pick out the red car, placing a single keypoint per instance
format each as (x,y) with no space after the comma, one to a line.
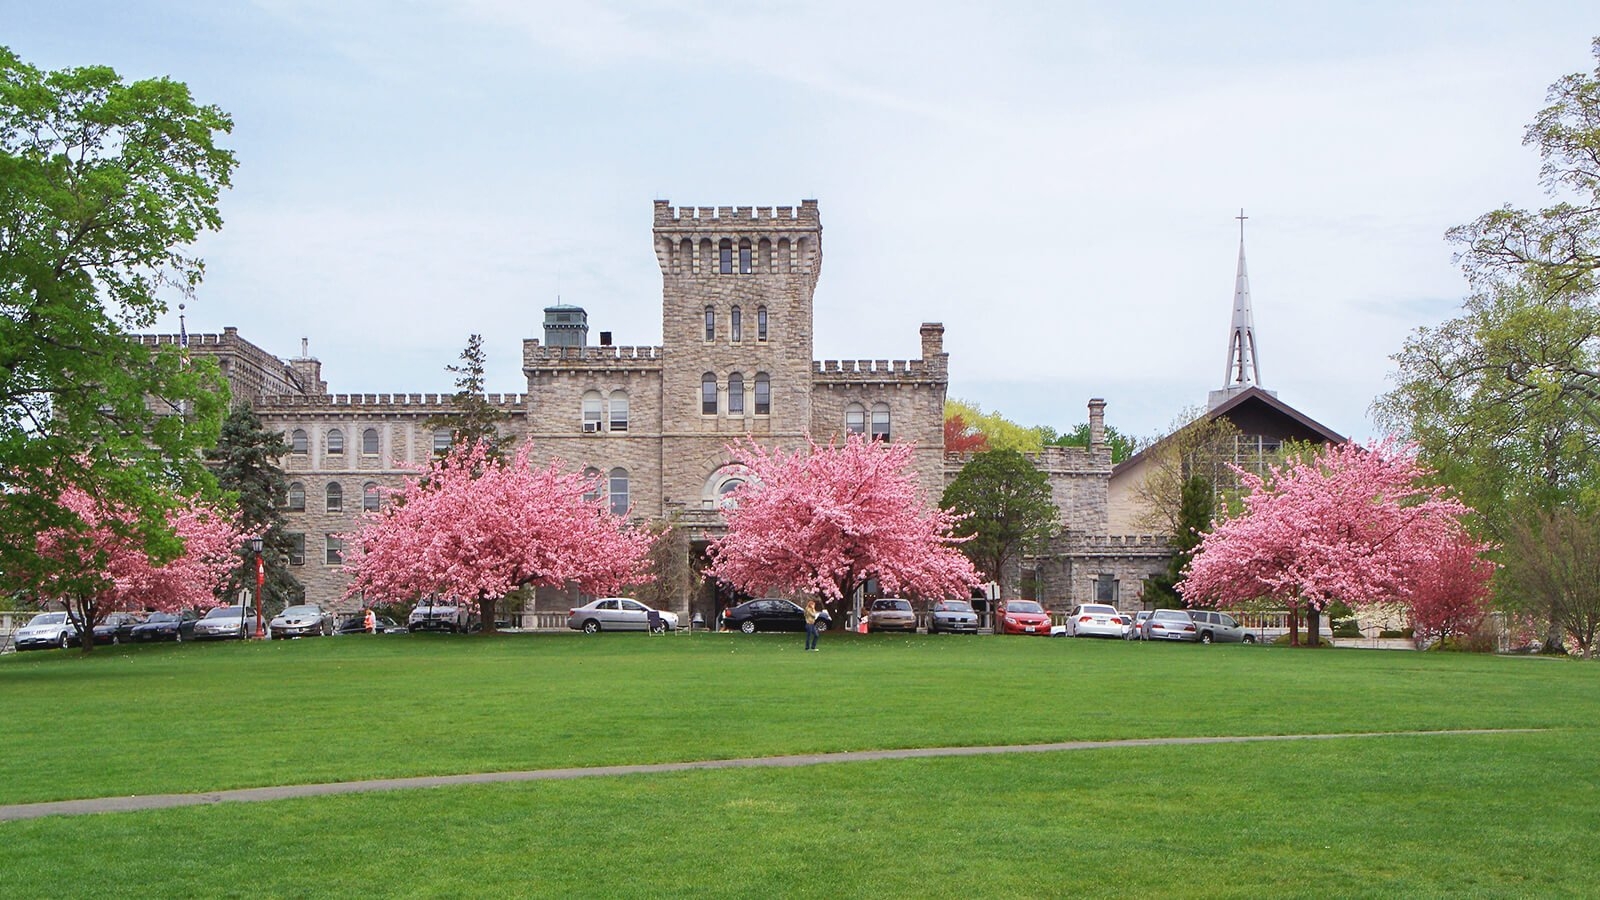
(1023,617)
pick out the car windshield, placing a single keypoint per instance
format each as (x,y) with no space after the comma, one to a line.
(48,619)
(956,606)
(301,611)
(226,612)
(162,617)
(1024,606)
(900,605)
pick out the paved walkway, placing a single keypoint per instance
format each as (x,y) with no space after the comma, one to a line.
(252,795)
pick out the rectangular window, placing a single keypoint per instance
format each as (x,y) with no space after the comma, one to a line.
(763,395)
(1105,589)
(708,397)
(711,324)
(297,549)
(761,323)
(335,552)
(727,258)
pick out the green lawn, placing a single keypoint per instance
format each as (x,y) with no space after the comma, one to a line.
(1495,814)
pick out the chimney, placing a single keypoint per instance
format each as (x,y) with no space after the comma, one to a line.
(1097,423)
(605,338)
(932,340)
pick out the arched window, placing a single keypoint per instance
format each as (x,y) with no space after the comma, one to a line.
(711,324)
(880,421)
(370,498)
(761,323)
(442,439)
(591,476)
(619,491)
(369,442)
(298,443)
(708,394)
(686,256)
(335,442)
(784,253)
(763,394)
(591,410)
(725,251)
(725,491)
(736,325)
(335,497)
(746,264)
(619,411)
(735,394)
(855,419)
(764,255)
(296,499)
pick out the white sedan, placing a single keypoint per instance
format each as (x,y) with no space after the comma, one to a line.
(1095,620)
(619,614)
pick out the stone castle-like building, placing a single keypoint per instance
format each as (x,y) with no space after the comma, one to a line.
(652,423)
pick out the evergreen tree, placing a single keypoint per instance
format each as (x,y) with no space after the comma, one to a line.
(472,419)
(1195,512)
(245,463)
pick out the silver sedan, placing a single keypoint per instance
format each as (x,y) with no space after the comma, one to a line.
(619,614)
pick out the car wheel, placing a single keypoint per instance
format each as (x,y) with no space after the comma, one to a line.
(590,626)
(1248,639)
(1205,637)
(64,640)
(748,626)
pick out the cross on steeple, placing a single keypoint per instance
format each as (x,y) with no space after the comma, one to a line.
(1244,371)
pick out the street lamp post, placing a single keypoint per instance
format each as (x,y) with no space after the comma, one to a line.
(261,577)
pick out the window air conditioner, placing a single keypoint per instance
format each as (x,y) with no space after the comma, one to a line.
(591,427)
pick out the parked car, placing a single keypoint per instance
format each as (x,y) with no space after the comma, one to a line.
(1136,631)
(1170,625)
(891,614)
(1095,620)
(1219,628)
(619,614)
(767,614)
(1127,623)
(49,629)
(357,624)
(116,628)
(1023,617)
(954,616)
(303,620)
(163,626)
(440,615)
(226,622)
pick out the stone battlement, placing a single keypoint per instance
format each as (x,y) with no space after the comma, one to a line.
(702,217)
(614,357)
(1051,460)
(378,403)
(870,369)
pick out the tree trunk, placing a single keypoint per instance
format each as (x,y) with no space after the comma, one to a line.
(486,612)
(1294,627)
(1313,627)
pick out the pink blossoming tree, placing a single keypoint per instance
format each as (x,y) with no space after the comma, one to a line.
(1448,595)
(827,519)
(107,565)
(474,528)
(1356,524)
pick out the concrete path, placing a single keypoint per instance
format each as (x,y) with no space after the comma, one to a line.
(252,795)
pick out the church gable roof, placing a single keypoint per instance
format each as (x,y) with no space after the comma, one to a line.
(1254,411)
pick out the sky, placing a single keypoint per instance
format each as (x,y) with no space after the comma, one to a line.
(1056,182)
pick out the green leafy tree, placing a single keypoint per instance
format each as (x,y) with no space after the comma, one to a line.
(472,418)
(1504,399)
(245,464)
(1007,509)
(1196,509)
(1122,446)
(103,184)
(1000,432)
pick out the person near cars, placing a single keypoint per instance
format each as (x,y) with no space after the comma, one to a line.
(811,625)
(371,621)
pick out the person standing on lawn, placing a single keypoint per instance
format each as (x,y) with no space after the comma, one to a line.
(811,624)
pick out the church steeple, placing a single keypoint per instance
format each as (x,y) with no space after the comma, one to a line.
(1244,367)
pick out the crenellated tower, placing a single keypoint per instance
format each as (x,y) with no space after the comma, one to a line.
(737,286)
